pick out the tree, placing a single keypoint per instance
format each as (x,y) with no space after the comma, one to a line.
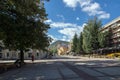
(22,25)
(53,51)
(90,35)
(102,38)
(74,43)
(86,40)
(80,43)
(105,38)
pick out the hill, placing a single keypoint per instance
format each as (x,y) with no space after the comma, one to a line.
(55,44)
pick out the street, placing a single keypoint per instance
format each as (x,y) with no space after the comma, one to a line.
(66,68)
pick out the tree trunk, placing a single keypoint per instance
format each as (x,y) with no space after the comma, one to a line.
(21,56)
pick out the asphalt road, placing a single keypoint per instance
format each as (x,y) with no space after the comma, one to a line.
(66,68)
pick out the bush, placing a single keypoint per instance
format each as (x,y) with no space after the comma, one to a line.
(113,55)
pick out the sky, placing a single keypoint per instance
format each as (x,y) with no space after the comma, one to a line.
(67,17)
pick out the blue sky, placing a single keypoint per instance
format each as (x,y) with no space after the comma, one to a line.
(67,17)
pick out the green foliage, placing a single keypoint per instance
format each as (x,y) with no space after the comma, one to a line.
(74,43)
(86,40)
(105,38)
(90,35)
(92,38)
(53,51)
(22,24)
(79,48)
(102,38)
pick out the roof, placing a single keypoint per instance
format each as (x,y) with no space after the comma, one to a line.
(112,22)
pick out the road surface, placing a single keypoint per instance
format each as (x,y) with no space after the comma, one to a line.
(66,68)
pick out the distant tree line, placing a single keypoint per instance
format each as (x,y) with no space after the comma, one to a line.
(91,38)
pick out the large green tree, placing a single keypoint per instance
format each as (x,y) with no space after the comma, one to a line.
(90,35)
(104,38)
(101,40)
(79,44)
(86,40)
(75,43)
(22,25)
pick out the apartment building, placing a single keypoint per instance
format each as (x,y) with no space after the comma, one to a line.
(114,28)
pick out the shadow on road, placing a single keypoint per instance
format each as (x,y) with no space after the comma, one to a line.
(64,68)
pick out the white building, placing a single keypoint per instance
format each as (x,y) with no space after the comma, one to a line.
(12,54)
(114,27)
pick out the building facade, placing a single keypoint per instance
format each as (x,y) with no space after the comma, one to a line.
(114,29)
(62,49)
(12,54)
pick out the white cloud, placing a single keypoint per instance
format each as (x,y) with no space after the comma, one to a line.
(104,15)
(61,25)
(77,18)
(70,3)
(91,9)
(48,21)
(53,38)
(84,2)
(88,6)
(66,29)
(61,16)
(69,32)
(65,38)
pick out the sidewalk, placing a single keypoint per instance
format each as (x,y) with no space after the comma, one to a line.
(87,58)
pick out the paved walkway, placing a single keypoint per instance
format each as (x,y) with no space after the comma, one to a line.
(66,68)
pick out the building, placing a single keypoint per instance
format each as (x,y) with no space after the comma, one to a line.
(14,54)
(114,28)
(113,42)
(62,49)
(1,48)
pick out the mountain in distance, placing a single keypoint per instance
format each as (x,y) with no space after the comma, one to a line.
(56,43)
